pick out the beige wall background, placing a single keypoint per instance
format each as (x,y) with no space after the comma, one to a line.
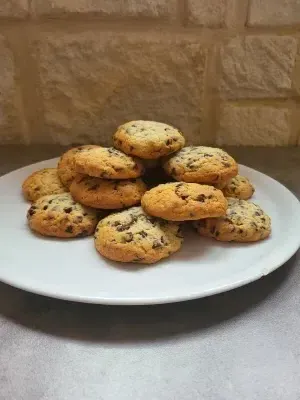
(226,72)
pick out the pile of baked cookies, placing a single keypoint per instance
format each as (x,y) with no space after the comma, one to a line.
(98,190)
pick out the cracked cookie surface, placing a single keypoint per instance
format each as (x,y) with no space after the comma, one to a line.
(107,194)
(200,164)
(108,163)
(239,187)
(180,201)
(244,222)
(148,139)
(60,216)
(66,168)
(133,236)
(42,183)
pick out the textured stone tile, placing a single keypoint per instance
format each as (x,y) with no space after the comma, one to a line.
(211,13)
(91,83)
(146,8)
(254,126)
(258,66)
(13,8)
(11,126)
(274,12)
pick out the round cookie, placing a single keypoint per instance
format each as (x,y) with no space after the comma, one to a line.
(134,236)
(66,168)
(148,139)
(60,216)
(107,194)
(244,222)
(239,187)
(108,163)
(184,201)
(200,164)
(42,183)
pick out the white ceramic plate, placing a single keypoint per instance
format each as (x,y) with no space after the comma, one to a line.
(73,270)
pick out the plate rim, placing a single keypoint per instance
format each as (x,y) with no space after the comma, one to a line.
(168,299)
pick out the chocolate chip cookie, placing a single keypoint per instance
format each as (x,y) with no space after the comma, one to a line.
(60,216)
(107,194)
(200,164)
(184,201)
(42,183)
(108,163)
(66,168)
(133,236)
(239,187)
(244,222)
(148,139)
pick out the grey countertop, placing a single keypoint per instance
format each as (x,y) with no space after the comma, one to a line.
(240,345)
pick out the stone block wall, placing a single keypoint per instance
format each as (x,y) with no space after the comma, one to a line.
(226,72)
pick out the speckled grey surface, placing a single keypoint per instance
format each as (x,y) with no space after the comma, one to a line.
(243,345)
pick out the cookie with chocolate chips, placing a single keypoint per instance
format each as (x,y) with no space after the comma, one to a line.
(239,187)
(107,163)
(184,201)
(148,139)
(244,222)
(107,193)
(200,164)
(42,183)
(133,236)
(60,216)
(66,168)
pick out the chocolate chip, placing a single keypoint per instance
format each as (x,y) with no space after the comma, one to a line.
(50,201)
(31,211)
(226,165)
(241,231)
(210,196)
(143,234)
(168,142)
(156,245)
(37,188)
(45,207)
(68,210)
(201,198)
(69,229)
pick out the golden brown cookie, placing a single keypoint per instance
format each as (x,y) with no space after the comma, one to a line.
(200,164)
(108,163)
(184,201)
(148,139)
(239,187)
(66,168)
(133,236)
(60,216)
(42,183)
(244,222)
(107,194)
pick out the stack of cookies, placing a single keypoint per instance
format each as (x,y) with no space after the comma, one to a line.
(196,183)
